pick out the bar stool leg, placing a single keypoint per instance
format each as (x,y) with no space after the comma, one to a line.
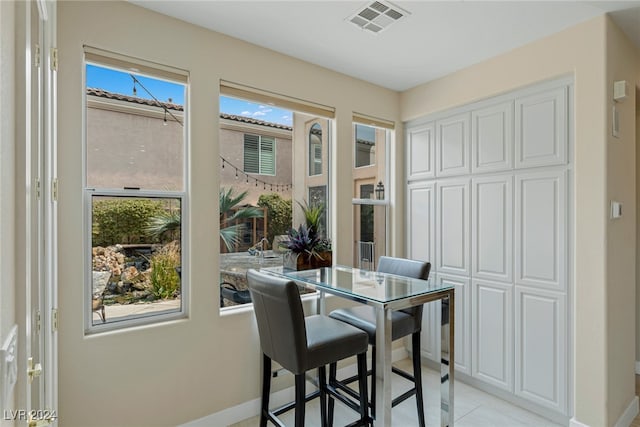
(373,381)
(332,402)
(362,386)
(266,389)
(322,380)
(300,399)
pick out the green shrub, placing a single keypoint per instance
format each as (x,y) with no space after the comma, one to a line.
(279,214)
(123,220)
(165,282)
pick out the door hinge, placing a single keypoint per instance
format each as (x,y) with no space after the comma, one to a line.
(37,56)
(38,322)
(54,59)
(54,320)
(38,188)
(33,370)
(54,189)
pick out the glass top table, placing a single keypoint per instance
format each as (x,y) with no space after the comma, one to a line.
(386,293)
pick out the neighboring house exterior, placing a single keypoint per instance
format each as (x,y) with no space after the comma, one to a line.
(154,141)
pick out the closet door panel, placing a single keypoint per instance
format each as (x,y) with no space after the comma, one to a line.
(421,152)
(541,128)
(492,227)
(541,230)
(492,138)
(452,136)
(492,333)
(421,222)
(452,229)
(541,354)
(462,320)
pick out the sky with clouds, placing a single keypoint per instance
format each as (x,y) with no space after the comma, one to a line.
(122,83)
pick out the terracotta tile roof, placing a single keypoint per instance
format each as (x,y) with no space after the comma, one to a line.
(254,121)
(175,107)
(120,97)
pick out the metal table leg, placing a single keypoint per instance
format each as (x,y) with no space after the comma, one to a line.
(383,367)
(447,360)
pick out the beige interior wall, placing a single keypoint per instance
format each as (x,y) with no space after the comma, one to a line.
(170,373)
(577,51)
(7,182)
(623,63)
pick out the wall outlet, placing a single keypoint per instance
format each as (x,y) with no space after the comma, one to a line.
(8,367)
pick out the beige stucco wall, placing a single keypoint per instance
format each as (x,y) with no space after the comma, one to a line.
(232,149)
(623,63)
(601,387)
(170,373)
(7,170)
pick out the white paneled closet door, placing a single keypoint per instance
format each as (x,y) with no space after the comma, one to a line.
(462,320)
(541,128)
(452,227)
(421,246)
(492,333)
(452,145)
(492,227)
(492,138)
(541,347)
(421,152)
(499,193)
(541,254)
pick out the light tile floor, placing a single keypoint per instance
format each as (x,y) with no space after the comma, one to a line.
(473,408)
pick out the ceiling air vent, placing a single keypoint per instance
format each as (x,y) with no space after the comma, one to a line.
(377,16)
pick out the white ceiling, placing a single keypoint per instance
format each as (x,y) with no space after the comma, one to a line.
(437,38)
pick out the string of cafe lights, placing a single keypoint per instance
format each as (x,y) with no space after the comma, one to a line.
(160,103)
(238,171)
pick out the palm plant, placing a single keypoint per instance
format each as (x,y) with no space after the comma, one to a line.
(313,216)
(230,213)
(166,222)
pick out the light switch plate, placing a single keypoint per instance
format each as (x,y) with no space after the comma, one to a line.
(8,367)
(616,210)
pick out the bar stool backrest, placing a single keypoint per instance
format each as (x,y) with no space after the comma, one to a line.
(280,319)
(408,268)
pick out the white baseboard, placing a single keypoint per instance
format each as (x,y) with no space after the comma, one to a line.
(625,419)
(629,414)
(575,423)
(251,408)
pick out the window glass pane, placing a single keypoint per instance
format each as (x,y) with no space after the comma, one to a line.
(135,257)
(318,197)
(365,145)
(369,175)
(136,192)
(315,150)
(134,131)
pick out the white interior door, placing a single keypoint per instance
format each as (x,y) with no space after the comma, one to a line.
(40,239)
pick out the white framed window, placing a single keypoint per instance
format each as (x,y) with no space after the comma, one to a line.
(135,192)
(259,154)
(371,139)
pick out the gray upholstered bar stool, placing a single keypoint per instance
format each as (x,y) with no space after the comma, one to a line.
(299,344)
(405,322)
